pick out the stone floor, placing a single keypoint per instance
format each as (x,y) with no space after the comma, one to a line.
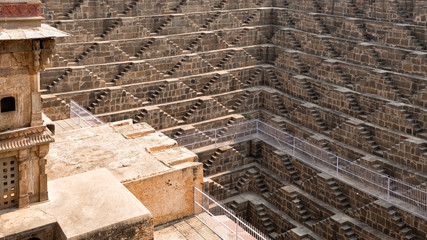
(187,228)
(65,125)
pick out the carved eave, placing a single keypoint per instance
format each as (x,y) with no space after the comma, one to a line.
(22,132)
(26,142)
(39,32)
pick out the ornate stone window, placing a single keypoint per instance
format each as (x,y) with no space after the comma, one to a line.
(8,182)
(7,104)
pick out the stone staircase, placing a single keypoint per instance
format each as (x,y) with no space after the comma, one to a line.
(390,82)
(249,82)
(377,166)
(321,25)
(196,41)
(58,61)
(282,109)
(282,126)
(348,232)
(354,105)
(249,19)
(229,123)
(343,201)
(180,4)
(310,91)
(401,12)
(190,112)
(266,223)
(107,31)
(139,117)
(291,170)
(86,52)
(210,20)
(129,7)
(178,133)
(416,128)
(368,138)
(316,6)
(260,184)
(332,159)
(208,164)
(241,100)
(289,19)
(162,26)
(346,80)
(379,62)
(100,98)
(356,213)
(227,57)
(273,78)
(245,180)
(301,66)
(294,42)
(177,66)
(123,72)
(414,39)
(70,13)
(302,212)
(403,229)
(362,30)
(357,11)
(260,2)
(319,121)
(59,79)
(164,118)
(212,81)
(330,48)
(237,39)
(221,5)
(145,47)
(156,93)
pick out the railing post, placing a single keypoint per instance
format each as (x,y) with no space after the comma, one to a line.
(215,138)
(195,199)
(388,188)
(257,132)
(237,225)
(337,165)
(80,117)
(293,146)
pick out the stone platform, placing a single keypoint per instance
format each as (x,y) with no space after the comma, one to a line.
(140,158)
(188,228)
(78,210)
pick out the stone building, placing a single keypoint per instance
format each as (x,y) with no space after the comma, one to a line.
(26,47)
(26,211)
(348,76)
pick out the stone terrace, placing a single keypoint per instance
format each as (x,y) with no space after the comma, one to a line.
(349,76)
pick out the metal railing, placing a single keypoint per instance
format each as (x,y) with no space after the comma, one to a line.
(82,117)
(411,198)
(221,220)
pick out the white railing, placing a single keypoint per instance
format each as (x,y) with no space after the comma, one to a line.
(82,117)
(222,221)
(411,198)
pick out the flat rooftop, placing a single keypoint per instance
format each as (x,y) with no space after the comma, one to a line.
(129,151)
(72,201)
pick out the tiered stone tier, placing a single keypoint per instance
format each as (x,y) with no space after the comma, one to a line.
(349,76)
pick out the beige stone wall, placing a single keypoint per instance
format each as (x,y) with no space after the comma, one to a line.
(169,195)
(15,80)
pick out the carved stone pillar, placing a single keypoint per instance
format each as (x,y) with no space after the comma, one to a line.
(23,156)
(43,150)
